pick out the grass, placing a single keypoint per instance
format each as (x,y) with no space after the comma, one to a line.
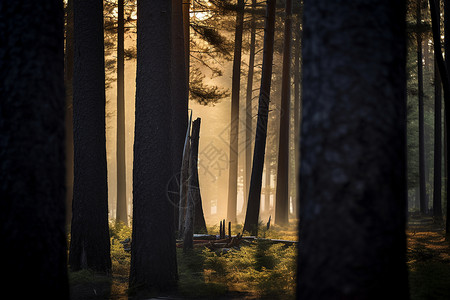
(259,269)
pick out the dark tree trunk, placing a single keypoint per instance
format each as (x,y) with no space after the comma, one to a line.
(179,96)
(184,180)
(68,77)
(437,186)
(254,197)
(89,244)
(153,256)
(282,192)
(194,185)
(353,163)
(32,172)
(248,106)
(447,139)
(422,178)
(195,220)
(234,124)
(122,210)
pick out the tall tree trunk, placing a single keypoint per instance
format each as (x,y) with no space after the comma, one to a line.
(297,107)
(32,172)
(153,256)
(447,139)
(437,186)
(234,124)
(121,209)
(282,192)
(444,67)
(68,78)
(422,179)
(254,197)
(248,106)
(353,163)
(179,95)
(89,243)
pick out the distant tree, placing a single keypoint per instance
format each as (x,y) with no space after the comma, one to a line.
(254,197)
(121,209)
(89,240)
(352,175)
(32,162)
(282,192)
(153,256)
(234,123)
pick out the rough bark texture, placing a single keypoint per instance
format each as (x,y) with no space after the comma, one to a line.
(282,192)
(179,94)
(153,256)
(32,172)
(353,151)
(122,209)
(89,245)
(234,123)
(184,180)
(254,197)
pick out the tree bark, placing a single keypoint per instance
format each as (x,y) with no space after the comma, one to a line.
(254,198)
(184,180)
(446,137)
(89,244)
(353,163)
(422,178)
(437,178)
(153,255)
(194,185)
(32,162)
(179,94)
(248,106)
(234,123)
(68,78)
(121,209)
(282,192)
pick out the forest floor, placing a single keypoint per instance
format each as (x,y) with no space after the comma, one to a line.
(264,270)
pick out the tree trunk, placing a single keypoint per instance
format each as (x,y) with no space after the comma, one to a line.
(32,162)
(353,163)
(282,192)
(446,138)
(195,221)
(194,186)
(89,244)
(254,197)
(234,124)
(184,180)
(179,95)
(121,209)
(297,108)
(422,179)
(153,256)
(248,106)
(68,78)
(267,186)
(437,186)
